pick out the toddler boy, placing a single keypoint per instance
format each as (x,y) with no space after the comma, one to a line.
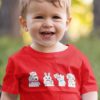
(48,69)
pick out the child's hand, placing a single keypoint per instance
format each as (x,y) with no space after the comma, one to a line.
(7,96)
(90,96)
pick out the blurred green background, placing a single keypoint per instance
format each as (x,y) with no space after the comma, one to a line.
(84,32)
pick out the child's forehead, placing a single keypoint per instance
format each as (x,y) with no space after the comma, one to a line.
(56,3)
(35,4)
(44,6)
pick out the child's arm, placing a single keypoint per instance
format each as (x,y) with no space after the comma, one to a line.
(7,96)
(90,96)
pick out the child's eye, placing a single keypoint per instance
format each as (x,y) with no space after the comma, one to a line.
(38,17)
(56,17)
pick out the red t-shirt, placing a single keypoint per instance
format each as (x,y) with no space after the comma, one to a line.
(35,75)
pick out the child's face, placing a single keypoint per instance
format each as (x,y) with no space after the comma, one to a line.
(46,23)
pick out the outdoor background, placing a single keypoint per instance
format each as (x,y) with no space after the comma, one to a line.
(84,32)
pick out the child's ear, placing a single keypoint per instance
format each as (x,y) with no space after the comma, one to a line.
(23,23)
(69,20)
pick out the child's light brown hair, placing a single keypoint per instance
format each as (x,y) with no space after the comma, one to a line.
(25,3)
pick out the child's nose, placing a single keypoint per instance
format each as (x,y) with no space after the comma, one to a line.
(47,23)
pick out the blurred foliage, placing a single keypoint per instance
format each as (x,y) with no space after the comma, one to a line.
(82,19)
(26,37)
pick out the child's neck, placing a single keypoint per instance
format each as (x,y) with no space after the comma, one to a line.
(49,49)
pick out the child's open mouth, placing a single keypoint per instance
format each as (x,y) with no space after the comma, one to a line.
(47,35)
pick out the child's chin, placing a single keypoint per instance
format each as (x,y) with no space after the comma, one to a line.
(48,44)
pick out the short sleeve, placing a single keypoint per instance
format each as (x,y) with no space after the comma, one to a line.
(11,80)
(88,83)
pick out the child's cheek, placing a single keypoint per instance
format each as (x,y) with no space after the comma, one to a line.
(61,26)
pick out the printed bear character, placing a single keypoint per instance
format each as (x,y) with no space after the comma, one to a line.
(71,80)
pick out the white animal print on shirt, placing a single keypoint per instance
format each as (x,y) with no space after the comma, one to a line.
(71,80)
(60,78)
(33,80)
(63,80)
(48,80)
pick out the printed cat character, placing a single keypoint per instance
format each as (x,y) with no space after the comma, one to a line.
(60,78)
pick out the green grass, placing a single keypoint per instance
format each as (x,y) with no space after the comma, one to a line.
(89,46)
(7,47)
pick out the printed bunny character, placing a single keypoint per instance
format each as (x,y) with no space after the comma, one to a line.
(48,80)
(60,78)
